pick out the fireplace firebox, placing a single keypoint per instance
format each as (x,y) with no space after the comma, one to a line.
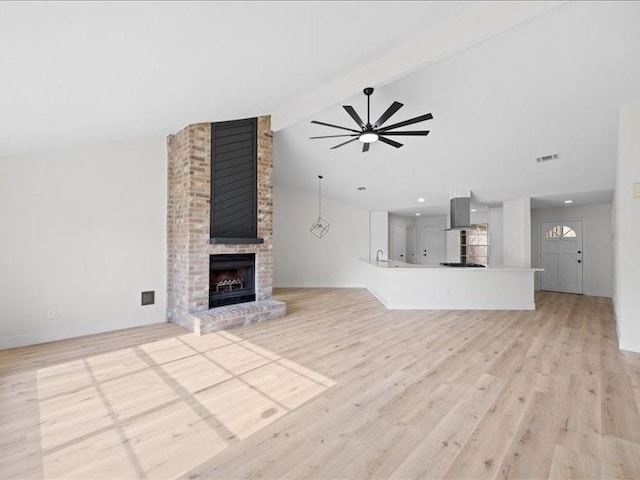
(231,279)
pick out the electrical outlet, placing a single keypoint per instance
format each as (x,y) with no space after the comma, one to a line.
(636,190)
(51,314)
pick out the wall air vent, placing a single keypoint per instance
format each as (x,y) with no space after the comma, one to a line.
(546,158)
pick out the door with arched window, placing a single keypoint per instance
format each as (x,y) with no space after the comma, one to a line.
(561,256)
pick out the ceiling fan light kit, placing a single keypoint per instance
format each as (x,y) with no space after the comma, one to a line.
(368,138)
(370,133)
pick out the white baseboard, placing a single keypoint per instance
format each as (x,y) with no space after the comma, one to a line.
(51,335)
(380,298)
(628,347)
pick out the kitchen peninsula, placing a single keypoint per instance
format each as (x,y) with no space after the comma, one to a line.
(405,286)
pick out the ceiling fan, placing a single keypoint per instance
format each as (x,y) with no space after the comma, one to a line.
(370,133)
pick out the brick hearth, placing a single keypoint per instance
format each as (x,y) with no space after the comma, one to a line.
(223,318)
(188,234)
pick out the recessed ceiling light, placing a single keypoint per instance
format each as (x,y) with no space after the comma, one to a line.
(417,214)
(474,210)
(421,200)
(362,188)
(568,201)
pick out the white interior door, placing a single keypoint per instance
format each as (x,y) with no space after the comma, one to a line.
(398,242)
(432,250)
(561,256)
(410,234)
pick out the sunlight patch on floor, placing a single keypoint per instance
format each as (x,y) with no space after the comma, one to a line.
(189,397)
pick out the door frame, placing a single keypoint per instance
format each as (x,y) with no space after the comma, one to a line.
(538,280)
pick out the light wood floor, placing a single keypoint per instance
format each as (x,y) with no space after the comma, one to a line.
(340,388)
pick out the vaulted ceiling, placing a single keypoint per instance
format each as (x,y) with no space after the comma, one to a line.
(88,72)
(506,83)
(553,84)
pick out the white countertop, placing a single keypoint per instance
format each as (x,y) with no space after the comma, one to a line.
(395,265)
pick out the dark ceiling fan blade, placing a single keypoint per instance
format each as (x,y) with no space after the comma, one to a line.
(334,136)
(365,147)
(411,133)
(348,141)
(335,126)
(411,121)
(354,115)
(388,141)
(395,106)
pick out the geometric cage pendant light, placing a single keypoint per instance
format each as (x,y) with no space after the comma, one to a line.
(320,227)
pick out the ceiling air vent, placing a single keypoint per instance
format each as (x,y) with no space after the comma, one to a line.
(546,158)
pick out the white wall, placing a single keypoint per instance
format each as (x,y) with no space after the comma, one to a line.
(496,233)
(432,221)
(597,256)
(516,223)
(302,260)
(452,247)
(627,231)
(378,234)
(83,233)
(401,220)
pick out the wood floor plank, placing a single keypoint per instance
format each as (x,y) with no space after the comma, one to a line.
(484,453)
(339,388)
(582,429)
(620,417)
(620,458)
(570,465)
(434,455)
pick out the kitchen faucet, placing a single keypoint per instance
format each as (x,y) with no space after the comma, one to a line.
(378,255)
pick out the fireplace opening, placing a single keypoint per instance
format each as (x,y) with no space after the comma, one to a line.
(231,279)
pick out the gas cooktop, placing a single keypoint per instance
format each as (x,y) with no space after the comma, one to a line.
(462,265)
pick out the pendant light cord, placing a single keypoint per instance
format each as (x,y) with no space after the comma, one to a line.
(320,196)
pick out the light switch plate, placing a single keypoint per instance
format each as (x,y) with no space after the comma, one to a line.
(636,190)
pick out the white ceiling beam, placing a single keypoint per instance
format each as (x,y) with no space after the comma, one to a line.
(485,20)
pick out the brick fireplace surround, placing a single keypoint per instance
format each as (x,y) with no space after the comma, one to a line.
(188,234)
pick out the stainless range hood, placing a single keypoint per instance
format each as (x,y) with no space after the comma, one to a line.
(460,209)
